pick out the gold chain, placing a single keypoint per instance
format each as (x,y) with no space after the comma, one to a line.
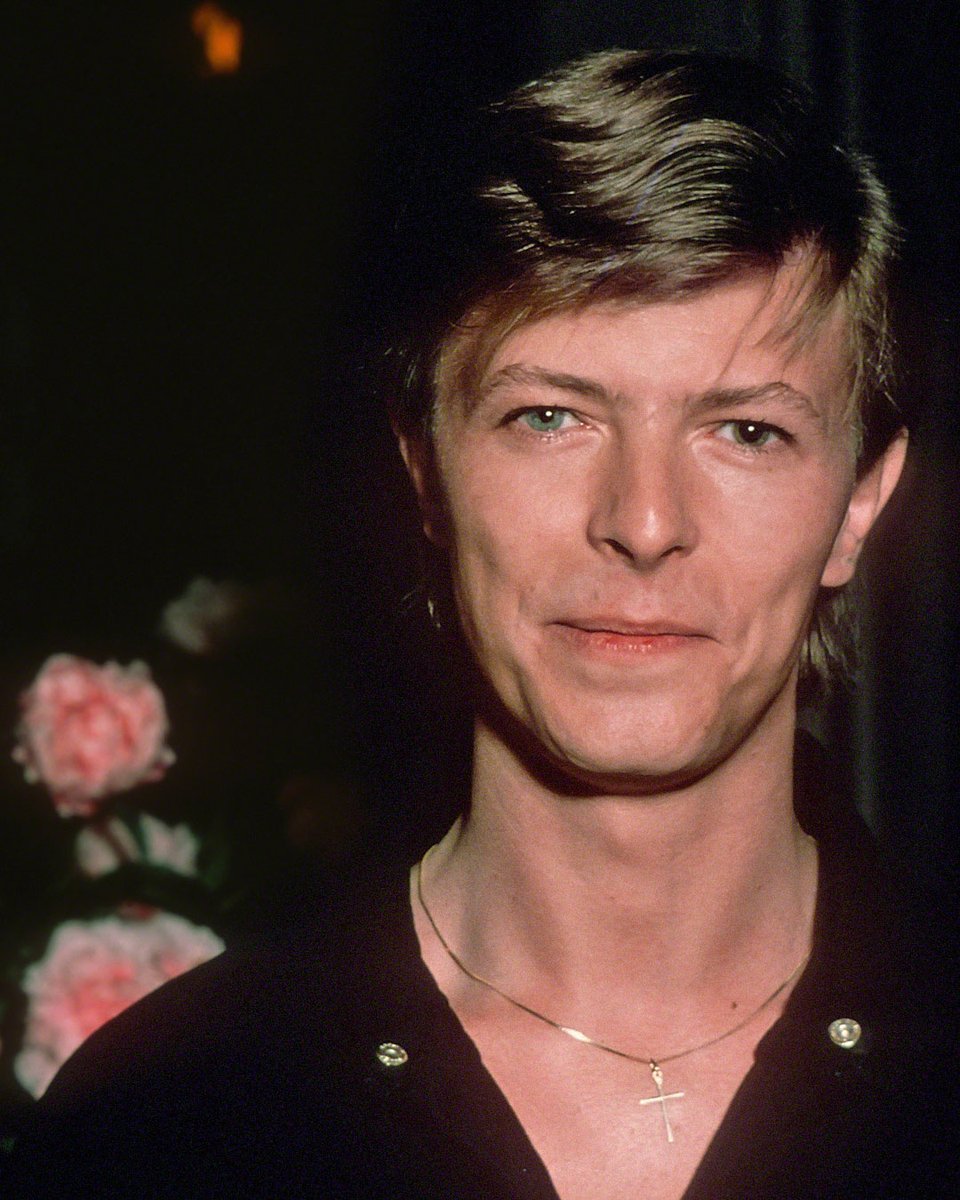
(652,1062)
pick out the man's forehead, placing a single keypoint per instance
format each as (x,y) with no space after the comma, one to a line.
(783,307)
(747,331)
(790,310)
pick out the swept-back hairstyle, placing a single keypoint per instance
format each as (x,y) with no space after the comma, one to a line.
(632,175)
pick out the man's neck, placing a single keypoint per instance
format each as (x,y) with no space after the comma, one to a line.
(682,905)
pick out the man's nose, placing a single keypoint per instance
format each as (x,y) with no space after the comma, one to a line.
(644,504)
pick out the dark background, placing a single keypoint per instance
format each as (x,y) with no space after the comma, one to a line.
(194,269)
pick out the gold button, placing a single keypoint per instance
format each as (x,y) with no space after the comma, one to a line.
(391,1055)
(845,1032)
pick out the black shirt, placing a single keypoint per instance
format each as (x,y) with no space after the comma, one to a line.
(258,1074)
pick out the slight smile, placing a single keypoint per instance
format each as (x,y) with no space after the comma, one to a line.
(613,635)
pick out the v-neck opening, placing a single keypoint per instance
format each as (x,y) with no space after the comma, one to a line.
(781,1058)
(509,1122)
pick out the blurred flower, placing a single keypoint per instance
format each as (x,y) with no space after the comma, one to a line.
(205,616)
(89,731)
(216,619)
(93,970)
(173,846)
(106,845)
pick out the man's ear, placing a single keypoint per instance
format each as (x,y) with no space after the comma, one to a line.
(872,491)
(421,465)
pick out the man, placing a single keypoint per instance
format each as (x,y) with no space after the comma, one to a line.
(649,429)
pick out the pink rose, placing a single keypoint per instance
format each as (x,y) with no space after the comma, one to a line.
(93,970)
(88,731)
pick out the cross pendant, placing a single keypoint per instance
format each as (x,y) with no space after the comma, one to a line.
(661,1097)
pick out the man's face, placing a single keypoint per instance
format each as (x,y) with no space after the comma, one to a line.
(641,505)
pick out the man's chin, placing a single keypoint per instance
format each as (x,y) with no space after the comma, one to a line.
(595,760)
(642,772)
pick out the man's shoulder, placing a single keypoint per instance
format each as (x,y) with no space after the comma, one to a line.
(308,966)
(237,1050)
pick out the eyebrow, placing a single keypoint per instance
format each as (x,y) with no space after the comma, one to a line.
(527,376)
(765,393)
(539,377)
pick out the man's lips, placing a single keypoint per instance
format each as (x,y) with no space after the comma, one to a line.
(623,627)
(617,635)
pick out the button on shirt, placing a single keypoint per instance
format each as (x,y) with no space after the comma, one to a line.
(330,1065)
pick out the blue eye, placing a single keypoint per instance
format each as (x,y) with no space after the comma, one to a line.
(544,420)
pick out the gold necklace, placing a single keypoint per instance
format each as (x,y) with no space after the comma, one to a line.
(655,1064)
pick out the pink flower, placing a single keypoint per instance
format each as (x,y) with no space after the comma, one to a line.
(93,970)
(89,731)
